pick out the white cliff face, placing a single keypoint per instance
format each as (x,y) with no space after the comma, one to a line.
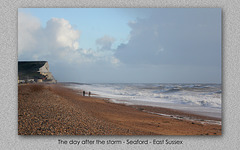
(44,70)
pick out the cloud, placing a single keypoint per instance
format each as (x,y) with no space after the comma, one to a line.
(168,45)
(56,38)
(58,41)
(174,36)
(105,42)
(61,34)
(28,27)
(144,45)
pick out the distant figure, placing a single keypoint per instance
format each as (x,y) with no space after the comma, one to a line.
(83,93)
(89,94)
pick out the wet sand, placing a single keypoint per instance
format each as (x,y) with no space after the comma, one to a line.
(52,109)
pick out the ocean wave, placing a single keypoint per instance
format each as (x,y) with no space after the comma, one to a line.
(203,95)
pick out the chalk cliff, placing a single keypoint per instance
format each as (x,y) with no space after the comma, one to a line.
(35,71)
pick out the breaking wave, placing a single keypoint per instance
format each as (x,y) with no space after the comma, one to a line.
(204,95)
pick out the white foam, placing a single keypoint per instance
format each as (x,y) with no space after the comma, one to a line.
(201,100)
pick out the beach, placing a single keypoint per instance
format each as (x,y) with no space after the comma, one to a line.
(52,109)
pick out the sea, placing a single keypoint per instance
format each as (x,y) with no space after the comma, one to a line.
(202,99)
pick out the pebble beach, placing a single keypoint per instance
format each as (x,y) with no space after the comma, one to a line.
(52,109)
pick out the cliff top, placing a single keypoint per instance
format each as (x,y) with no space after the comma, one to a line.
(29,69)
(30,66)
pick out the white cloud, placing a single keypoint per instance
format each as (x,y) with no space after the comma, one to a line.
(28,27)
(58,41)
(61,32)
(105,42)
(58,36)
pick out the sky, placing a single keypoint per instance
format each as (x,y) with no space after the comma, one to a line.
(124,45)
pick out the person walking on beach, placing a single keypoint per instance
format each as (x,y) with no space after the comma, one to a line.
(89,93)
(83,93)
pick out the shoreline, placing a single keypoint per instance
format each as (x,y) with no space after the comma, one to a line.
(56,110)
(163,111)
(210,112)
(170,113)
